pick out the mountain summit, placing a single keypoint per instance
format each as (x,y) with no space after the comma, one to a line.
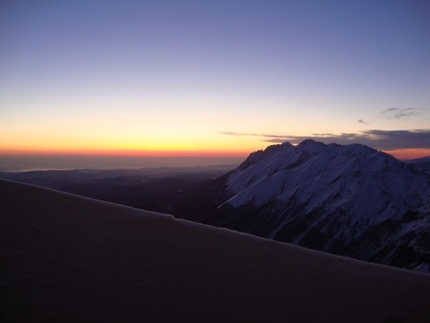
(349,200)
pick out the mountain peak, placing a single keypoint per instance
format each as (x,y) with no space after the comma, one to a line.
(312,146)
(259,155)
(307,142)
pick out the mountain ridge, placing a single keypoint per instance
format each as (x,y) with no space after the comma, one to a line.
(329,197)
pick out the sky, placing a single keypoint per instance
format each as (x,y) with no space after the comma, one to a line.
(212,78)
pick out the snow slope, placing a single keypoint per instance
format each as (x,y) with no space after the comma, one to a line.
(71,259)
(423,164)
(330,197)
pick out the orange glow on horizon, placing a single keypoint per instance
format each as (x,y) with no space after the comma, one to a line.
(213,145)
(127,153)
(409,153)
(244,152)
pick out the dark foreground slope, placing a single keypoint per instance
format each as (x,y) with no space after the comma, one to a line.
(71,259)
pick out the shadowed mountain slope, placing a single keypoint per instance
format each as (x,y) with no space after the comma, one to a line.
(71,259)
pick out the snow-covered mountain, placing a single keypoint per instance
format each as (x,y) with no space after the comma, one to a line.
(422,164)
(349,200)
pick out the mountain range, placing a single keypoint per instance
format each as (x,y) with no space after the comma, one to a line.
(349,200)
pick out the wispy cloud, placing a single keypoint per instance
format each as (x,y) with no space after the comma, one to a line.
(232,133)
(398,113)
(378,139)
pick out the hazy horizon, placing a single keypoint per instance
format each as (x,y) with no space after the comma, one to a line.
(33,162)
(70,162)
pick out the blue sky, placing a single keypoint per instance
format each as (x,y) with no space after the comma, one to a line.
(221,76)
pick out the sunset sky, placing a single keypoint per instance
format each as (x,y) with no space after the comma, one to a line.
(212,78)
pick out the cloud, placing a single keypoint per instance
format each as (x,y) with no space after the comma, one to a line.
(377,139)
(398,113)
(390,110)
(232,133)
(323,134)
(362,121)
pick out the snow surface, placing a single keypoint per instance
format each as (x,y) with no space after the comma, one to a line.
(72,259)
(352,188)
(316,172)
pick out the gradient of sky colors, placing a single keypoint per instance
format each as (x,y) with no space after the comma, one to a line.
(209,78)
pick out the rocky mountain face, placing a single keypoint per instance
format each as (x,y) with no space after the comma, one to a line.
(422,164)
(348,200)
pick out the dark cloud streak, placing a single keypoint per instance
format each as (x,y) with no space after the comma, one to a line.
(378,139)
(398,113)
